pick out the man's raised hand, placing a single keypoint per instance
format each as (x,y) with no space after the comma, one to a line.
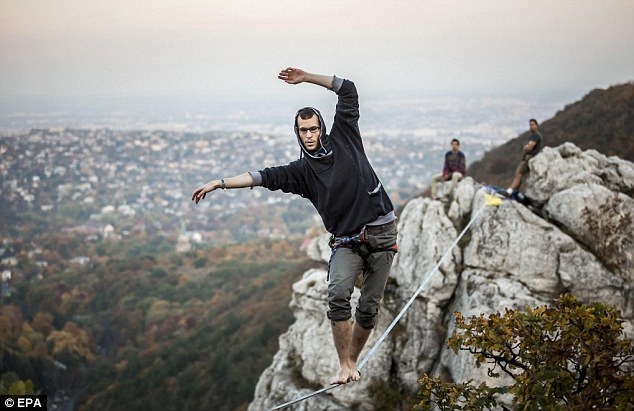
(292,75)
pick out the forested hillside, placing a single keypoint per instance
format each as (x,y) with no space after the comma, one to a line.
(603,120)
(149,330)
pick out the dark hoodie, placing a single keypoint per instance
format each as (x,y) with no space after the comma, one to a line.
(338,180)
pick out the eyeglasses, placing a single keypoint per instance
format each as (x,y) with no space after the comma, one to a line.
(304,130)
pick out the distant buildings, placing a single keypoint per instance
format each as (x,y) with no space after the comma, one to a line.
(105,184)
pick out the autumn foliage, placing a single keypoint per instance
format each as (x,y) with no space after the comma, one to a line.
(149,330)
(572,356)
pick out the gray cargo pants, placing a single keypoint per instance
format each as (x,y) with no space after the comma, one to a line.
(373,259)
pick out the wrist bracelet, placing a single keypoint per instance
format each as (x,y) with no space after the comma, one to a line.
(222,184)
(251,179)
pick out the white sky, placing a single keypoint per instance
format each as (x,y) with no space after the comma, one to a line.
(222,48)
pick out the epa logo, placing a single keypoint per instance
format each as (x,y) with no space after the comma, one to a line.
(31,402)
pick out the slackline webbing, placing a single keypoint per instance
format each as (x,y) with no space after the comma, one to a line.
(490,200)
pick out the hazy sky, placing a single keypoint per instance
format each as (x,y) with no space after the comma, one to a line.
(234,48)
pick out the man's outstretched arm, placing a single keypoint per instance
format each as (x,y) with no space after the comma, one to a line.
(293,75)
(241,181)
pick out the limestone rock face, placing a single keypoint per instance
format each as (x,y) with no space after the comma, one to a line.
(578,239)
(566,166)
(318,248)
(463,197)
(604,223)
(425,235)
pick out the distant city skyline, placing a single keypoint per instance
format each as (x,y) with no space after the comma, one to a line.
(179,55)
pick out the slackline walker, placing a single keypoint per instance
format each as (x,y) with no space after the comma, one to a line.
(490,200)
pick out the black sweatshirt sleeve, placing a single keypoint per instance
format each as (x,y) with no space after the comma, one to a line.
(347,104)
(288,178)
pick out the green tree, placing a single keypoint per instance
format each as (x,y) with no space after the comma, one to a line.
(10,384)
(569,357)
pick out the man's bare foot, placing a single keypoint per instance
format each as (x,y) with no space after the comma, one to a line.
(355,375)
(344,376)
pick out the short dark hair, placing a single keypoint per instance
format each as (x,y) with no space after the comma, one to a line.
(456,140)
(534,121)
(305,113)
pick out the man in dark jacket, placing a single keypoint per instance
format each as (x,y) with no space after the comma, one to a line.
(334,173)
(532,147)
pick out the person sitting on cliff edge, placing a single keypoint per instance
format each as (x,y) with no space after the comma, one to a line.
(531,149)
(334,173)
(454,169)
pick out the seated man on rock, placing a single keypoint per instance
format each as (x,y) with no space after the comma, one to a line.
(455,169)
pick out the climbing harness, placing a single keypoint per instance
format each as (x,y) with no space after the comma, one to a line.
(355,243)
(489,201)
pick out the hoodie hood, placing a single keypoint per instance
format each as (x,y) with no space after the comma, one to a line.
(325,149)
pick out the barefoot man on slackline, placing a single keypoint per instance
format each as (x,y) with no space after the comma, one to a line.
(334,173)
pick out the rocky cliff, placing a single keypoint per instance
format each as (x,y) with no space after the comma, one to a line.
(577,239)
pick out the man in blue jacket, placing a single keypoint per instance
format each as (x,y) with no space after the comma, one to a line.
(334,173)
